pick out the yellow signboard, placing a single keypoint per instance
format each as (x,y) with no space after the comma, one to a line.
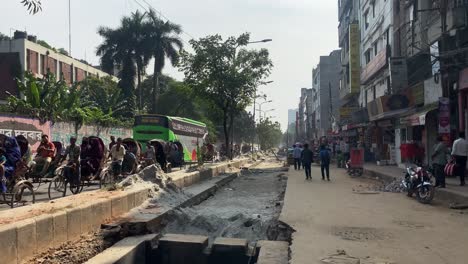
(354,59)
(346,112)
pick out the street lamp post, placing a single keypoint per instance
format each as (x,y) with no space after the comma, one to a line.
(234,59)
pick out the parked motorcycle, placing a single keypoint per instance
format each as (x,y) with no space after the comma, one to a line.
(419,181)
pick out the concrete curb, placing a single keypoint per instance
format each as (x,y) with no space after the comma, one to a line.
(129,250)
(273,252)
(22,240)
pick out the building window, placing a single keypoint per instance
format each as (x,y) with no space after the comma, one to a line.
(42,65)
(365,98)
(348,77)
(376,47)
(373,8)
(389,87)
(60,71)
(366,19)
(367,56)
(71,73)
(374,93)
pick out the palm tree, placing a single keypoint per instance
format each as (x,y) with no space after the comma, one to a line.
(124,48)
(164,42)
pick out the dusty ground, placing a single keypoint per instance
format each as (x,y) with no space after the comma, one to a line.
(248,207)
(341,222)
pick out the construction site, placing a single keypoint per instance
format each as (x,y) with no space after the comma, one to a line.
(219,213)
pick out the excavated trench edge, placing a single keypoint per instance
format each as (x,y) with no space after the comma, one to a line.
(277,232)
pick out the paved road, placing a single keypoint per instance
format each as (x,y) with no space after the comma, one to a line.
(330,216)
(41,194)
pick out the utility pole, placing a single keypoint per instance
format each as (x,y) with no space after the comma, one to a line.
(69,28)
(331,105)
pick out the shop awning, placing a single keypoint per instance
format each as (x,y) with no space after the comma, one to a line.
(417,119)
(390,114)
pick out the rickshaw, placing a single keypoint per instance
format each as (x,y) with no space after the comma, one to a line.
(93,158)
(163,153)
(355,166)
(16,189)
(34,171)
(130,164)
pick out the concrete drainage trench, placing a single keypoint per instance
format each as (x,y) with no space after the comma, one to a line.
(227,219)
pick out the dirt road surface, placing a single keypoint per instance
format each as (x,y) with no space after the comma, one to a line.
(335,224)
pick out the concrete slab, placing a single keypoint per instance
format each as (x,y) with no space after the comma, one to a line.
(273,252)
(87,218)
(222,243)
(26,239)
(177,249)
(127,251)
(229,251)
(44,232)
(119,205)
(60,232)
(73,223)
(8,243)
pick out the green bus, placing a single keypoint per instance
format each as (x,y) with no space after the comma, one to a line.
(168,128)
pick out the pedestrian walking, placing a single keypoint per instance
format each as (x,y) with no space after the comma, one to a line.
(297,157)
(439,160)
(460,153)
(325,162)
(307,157)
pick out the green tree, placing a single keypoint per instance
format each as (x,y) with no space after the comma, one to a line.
(46,99)
(226,74)
(269,134)
(33,6)
(4,37)
(163,42)
(104,94)
(123,48)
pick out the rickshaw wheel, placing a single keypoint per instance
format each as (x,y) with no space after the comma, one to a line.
(56,185)
(23,193)
(106,179)
(76,188)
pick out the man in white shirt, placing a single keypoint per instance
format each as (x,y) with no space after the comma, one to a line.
(460,153)
(117,153)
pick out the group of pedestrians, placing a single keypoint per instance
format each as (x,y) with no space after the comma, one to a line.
(459,154)
(305,157)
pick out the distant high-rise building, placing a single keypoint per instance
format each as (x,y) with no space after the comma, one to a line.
(292,116)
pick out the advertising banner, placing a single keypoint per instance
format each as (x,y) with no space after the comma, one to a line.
(354,59)
(444,115)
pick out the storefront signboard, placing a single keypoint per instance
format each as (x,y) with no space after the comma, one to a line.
(444,115)
(354,58)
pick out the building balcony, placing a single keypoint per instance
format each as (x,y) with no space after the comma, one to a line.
(374,66)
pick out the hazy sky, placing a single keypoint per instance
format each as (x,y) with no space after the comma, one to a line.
(301,30)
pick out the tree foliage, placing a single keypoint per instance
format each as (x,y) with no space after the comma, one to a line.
(47,99)
(225,73)
(33,6)
(129,48)
(269,134)
(162,41)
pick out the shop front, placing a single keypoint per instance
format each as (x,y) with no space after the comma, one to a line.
(417,134)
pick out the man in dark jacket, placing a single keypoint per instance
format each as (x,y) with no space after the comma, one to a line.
(325,162)
(307,157)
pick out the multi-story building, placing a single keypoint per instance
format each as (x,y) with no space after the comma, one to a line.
(433,39)
(301,122)
(22,53)
(349,42)
(326,98)
(292,116)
